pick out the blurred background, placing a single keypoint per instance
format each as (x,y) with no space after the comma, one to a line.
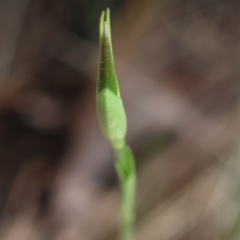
(178,67)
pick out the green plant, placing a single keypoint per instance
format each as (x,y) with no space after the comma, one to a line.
(113,123)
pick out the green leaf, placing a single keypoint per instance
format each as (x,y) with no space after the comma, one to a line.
(107,75)
(110,110)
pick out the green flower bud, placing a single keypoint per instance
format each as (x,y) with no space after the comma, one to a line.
(110,110)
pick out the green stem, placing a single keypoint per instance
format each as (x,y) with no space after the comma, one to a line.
(127,177)
(128,199)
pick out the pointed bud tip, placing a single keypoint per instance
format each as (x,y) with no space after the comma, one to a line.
(107,74)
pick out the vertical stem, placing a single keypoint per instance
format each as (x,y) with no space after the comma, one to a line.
(128,200)
(127,177)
